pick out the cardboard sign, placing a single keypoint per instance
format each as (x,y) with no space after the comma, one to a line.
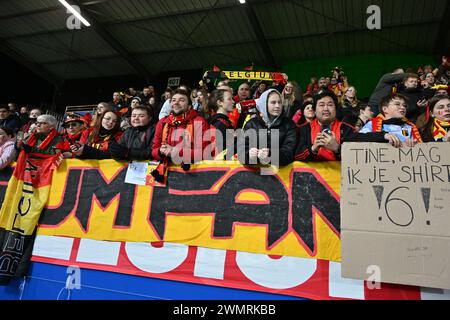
(395,214)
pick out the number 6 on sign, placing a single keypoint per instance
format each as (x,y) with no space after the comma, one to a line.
(401,218)
(386,207)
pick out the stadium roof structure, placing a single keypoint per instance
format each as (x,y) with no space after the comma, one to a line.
(146,37)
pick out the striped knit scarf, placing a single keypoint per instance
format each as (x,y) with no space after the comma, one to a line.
(377,126)
(440,129)
(160,172)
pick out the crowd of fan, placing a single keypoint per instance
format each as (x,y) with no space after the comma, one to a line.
(405,108)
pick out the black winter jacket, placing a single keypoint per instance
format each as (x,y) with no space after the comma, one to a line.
(384,88)
(94,153)
(13,122)
(222,123)
(287,139)
(136,144)
(413,95)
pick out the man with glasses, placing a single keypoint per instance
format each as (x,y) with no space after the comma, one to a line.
(393,120)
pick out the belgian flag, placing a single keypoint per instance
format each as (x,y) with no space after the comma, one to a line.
(26,195)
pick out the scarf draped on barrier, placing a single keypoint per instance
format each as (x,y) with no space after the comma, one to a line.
(27,193)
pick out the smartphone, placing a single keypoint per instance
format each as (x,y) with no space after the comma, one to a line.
(326,129)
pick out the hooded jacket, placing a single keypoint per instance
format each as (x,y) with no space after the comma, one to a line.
(287,139)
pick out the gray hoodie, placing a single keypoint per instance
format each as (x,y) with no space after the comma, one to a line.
(261,105)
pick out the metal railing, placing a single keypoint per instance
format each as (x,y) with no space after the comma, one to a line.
(82,108)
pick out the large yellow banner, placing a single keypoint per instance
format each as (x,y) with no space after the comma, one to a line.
(223,205)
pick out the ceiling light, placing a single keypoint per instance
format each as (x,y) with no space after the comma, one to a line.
(76,13)
(241,1)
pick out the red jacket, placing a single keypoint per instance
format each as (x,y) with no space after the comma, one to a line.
(193,128)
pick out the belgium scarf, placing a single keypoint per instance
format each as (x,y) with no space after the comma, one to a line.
(378,121)
(441,129)
(173,120)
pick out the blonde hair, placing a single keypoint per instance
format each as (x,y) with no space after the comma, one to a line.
(293,94)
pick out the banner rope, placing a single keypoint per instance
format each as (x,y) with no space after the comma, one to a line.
(22,287)
(97,288)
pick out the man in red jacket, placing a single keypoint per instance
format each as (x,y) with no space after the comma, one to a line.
(181,137)
(321,139)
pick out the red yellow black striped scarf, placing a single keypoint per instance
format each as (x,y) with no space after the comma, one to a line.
(377,126)
(440,129)
(174,120)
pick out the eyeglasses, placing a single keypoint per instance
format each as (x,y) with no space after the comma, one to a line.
(41,123)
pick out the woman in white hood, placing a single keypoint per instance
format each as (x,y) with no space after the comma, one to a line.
(268,123)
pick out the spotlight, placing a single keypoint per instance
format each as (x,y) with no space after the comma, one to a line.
(76,13)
